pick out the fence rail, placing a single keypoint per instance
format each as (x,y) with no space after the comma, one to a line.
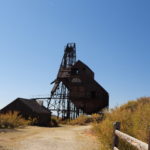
(131,140)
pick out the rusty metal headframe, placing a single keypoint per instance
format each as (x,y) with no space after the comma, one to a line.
(59,100)
(75,90)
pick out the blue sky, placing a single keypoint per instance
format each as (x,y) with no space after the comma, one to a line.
(112,37)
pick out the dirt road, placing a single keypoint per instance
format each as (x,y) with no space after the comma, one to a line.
(38,138)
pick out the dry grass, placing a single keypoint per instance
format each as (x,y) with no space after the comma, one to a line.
(54,121)
(134,118)
(83,119)
(13,120)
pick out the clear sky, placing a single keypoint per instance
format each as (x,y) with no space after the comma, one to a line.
(112,37)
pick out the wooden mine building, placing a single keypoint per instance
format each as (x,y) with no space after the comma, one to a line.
(84,92)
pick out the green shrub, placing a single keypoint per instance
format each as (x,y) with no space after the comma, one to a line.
(134,118)
(13,120)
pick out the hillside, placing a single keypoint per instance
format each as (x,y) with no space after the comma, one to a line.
(134,118)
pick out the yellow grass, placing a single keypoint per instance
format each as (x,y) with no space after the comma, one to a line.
(135,121)
(13,120)
(83,119)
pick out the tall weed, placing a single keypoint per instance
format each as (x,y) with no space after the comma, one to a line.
(13,120)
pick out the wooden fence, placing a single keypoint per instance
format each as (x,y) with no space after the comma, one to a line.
(131,140)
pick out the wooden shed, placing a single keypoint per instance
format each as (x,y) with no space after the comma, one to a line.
(29,108)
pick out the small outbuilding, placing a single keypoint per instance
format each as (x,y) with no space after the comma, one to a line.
(29,108)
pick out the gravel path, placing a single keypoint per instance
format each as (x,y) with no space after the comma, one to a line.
(38,138)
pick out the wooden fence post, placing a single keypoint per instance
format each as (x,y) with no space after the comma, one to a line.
(115,137)
(149,138)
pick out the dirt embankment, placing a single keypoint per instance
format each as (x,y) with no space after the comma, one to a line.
(39,138)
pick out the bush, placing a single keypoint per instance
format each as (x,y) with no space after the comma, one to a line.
(83,119)
(54,121)
(13,120)
(96,118)
(134,118)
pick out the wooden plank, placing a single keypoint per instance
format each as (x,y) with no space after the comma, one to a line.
(149,139)
(115,148)
(133,141)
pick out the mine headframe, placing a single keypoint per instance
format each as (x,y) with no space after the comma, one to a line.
(59,101)
(75,90)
